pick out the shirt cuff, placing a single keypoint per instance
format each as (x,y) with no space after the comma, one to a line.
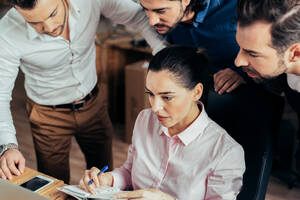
(119,181)
(6,138)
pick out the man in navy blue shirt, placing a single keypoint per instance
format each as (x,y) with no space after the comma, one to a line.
(235,100)
(196,23)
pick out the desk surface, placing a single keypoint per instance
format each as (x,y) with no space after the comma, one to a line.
(49,191)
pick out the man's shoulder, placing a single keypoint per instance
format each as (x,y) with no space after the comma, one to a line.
(11,24)
(217,11)
(81,3)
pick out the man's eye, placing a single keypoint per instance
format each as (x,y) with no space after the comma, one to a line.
(53,14)
(253,56)
(160,11)
(167,98)
(34,24)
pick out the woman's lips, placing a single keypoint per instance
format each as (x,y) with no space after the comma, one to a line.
(161,118)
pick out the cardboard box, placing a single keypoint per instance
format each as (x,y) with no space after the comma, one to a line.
(135,98)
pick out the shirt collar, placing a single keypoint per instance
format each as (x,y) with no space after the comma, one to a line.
(193,131)
(201,14)
(74,11)
(32,33)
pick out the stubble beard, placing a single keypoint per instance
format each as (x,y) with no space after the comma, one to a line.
(61,27)
(262,79)
(171,28)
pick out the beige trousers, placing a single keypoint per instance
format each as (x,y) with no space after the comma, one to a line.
(52,130)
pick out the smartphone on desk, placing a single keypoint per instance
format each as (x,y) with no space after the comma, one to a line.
(37,183)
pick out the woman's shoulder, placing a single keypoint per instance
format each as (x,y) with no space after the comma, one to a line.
(145,114)
(146,119)
(146,124)
(222,137)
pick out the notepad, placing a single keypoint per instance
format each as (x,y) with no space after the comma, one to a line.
(102,193)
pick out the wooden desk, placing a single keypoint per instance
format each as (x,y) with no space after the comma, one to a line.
(49,191)
(113,54)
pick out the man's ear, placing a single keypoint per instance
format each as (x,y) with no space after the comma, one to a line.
(185,3)
(197,92)
(292,58)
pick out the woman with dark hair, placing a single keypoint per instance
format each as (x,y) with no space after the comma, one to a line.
(177,151)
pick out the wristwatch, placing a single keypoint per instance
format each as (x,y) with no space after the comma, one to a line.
(4,147)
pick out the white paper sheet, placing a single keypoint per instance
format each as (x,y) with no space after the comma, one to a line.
(103,193)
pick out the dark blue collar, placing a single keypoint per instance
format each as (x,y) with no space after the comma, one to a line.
(201,14)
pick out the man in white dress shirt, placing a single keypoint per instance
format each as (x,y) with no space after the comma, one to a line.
(52,41)
(269,39)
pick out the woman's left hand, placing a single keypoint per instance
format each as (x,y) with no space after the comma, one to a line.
(145,194)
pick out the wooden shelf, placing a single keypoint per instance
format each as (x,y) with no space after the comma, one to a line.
(113,54)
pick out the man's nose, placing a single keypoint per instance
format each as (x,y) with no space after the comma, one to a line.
(49,27)
(153,18)
(241,60)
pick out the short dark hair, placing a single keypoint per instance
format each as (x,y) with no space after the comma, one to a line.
(283,15)
(25,4)
(196,5)
(189,66)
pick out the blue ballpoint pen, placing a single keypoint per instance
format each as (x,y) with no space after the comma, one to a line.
(101,171)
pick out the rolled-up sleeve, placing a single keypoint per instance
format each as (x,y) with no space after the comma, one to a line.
(134,18)
(226,180)
(9,67)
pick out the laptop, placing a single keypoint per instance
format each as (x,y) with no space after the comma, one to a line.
(10,191)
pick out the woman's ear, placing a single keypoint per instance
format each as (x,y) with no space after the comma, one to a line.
(197,92)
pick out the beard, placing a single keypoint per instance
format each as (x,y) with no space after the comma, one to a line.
(62,26)
(259,78)
(65,18)
(171,28)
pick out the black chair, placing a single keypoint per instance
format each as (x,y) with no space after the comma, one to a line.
(251,115)
(285,166)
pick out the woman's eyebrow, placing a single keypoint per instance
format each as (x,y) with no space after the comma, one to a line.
(160,93)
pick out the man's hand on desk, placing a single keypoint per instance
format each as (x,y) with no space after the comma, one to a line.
(146,194)
(12,162)
(227,80)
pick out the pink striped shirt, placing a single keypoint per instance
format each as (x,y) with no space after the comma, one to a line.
(202,162)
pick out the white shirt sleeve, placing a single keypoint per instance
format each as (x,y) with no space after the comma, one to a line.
(133,17)
(294,82)
(226,180)
(9,67)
